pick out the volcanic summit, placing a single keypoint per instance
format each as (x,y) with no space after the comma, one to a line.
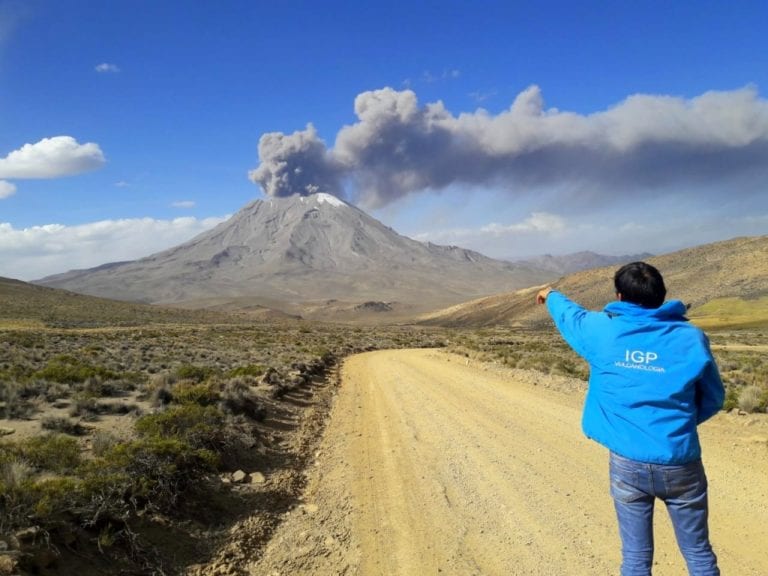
(302,249)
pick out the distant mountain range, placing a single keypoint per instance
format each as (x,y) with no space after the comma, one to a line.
(284,251)
(577,261)
(726,284)
(733,273)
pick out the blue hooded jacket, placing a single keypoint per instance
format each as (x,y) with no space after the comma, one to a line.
(652,377)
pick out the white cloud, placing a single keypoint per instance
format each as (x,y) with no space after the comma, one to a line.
(658,229)
(52,158)
(122,184)
(38,251)
(446,74)
(479,96)
(538,223)
(106,68)
(12,13)
(184,204)
(6,189)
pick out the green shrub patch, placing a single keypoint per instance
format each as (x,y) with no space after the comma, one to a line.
(197,426)
(69,370)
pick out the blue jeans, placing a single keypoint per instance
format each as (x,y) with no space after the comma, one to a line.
(683,488)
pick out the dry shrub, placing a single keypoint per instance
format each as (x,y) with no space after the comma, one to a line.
(50,452)
(195,425)
(102,442)
(237,398)
(14,471)
(7,565)
(85,407)
(193,392)
(194,372)
(752,398)
(19,401)
(158,390)
(63,425)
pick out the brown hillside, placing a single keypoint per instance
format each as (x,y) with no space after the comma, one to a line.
(27,304)
(733,268)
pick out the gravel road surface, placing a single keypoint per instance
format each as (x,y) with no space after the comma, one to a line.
(433,464)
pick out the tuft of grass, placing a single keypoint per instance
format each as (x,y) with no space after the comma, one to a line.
(14,471)
(102,442)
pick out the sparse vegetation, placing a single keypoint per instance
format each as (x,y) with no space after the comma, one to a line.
(743,363)
(525,349)
(199,399)
(68,369)
(51,453)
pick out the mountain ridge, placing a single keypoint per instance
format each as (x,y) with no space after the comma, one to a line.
(734,268)
(577,261)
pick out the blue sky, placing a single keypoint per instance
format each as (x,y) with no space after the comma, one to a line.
(514,128)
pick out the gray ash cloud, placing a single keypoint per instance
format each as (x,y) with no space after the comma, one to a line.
(297,163)
(647,142)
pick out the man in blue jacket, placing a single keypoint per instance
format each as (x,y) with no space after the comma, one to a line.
(652,381)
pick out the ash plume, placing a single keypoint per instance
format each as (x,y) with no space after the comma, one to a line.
(296,163)
(649,142)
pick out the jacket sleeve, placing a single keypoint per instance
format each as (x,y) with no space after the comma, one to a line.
(570,319)
(710,393)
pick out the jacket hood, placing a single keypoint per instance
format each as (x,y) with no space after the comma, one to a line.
(670,310)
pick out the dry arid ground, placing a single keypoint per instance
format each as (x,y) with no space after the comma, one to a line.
(427,463)
(433,463)
(255,394)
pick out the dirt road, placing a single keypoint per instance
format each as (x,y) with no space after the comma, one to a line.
(434,465)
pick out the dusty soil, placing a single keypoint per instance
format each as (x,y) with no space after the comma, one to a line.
(431,464)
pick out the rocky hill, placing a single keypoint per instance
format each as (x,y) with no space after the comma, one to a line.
(733,269)
(298,249)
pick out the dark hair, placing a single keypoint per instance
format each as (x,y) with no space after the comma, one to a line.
(640,283)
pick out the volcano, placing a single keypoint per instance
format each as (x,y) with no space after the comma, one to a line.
(302,249)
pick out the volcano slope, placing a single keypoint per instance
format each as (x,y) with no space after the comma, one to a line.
(431,464)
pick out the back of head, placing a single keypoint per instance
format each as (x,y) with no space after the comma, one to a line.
(640,283)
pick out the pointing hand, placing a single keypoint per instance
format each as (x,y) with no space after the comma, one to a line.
(541,297)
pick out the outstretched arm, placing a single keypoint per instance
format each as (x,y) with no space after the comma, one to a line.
(569,317)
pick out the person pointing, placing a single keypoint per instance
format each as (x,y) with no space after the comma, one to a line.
(652,381)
